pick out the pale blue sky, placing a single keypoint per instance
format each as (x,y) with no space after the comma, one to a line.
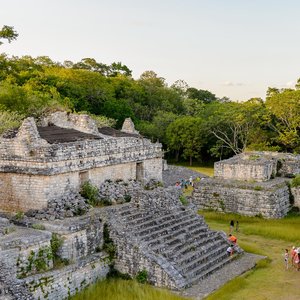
(234,48)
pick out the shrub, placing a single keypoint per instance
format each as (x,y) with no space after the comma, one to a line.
(127,198)
(89,192)
(19,215)
(295,181)
(108,244)
(38,226)
(142,276)
(183,200)
(258,188)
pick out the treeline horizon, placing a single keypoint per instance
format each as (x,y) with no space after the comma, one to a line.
(192,124)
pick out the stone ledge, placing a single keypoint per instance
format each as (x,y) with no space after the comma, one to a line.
(236,268)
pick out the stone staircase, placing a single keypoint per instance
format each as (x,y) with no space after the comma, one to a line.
(180,236)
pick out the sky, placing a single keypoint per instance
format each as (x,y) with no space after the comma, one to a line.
(233,48)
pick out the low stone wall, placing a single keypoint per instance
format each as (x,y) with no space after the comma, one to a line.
(62,283)
(81,236)
(246,167)
(268,199)
(296,195)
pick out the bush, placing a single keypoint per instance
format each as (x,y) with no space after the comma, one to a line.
(295,181)
(38,226)
(142,276)
(183,200)
(89,192)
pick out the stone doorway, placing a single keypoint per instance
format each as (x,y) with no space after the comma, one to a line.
(83,177)
(140,171)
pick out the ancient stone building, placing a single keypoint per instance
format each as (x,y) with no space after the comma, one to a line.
(252,183)
(39,163)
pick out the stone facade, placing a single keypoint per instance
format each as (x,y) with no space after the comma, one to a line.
(251,184)
(296,196)
(258,166)
(37,165)
(266,199)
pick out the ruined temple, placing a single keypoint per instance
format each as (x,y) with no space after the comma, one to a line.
(252,184)
(42,167)
(40,163)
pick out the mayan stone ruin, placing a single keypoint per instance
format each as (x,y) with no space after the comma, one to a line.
(54,243)
(252,184)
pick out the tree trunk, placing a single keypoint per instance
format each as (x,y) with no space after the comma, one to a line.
(191,160)
(177,156)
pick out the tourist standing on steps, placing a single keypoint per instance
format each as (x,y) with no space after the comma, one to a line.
(232,239)
(231,226)
(230,250)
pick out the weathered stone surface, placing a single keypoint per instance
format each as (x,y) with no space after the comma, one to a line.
(128,126)
(268,199)
(296,196)
(33,172)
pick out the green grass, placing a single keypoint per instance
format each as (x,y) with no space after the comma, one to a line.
(117,289)
(286,229)
(206,169)
(269,280)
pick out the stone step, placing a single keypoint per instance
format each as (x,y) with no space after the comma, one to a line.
(218,264)
(199,251)
(143,222)
(164,229)
(161,220)
(183,249)
(184,237)
(212,256)
(157,242)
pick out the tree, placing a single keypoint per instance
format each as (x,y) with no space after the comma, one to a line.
(186,134)
(233,124)
(203,95)
(284,118)
(8,33)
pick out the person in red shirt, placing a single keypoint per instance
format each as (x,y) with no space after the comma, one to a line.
(232,239)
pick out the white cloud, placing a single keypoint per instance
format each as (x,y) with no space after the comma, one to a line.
(291,83)
(231,83)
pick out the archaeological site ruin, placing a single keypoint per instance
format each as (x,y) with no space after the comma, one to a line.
(251,184)
(54,243)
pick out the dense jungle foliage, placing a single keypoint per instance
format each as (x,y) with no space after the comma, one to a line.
(192,124)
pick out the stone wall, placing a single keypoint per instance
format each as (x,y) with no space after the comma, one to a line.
(82,236)
(258,166)
(296,195)
(21,192)
(61,284)
(268,199)
(246,167)
(63,119)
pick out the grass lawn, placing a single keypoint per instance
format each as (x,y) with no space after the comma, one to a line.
(268,281)
(267,237)
(202,168)
(117,289)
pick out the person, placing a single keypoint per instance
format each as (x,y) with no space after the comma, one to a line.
(191,181)
(230,250)
(293,256)
(232,239)
(231,226)
(286,258)
(297,259)
(177,185)
(237,226)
